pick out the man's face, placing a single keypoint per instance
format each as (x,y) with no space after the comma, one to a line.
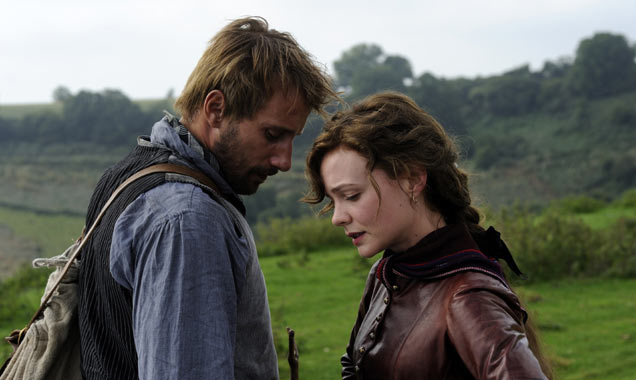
(250,150)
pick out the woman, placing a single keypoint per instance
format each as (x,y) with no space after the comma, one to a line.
(437,305)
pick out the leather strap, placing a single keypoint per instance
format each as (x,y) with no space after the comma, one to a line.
(158,168)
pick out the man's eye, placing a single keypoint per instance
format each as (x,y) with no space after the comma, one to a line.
(272,135)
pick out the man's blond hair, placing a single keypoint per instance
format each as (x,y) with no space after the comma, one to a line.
(247,62)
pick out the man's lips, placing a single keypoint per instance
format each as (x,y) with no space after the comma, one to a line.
(263,173)
(261,177)
(356,236)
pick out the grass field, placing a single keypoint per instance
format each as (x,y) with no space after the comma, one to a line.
(33,235)
(588,325)
(607,215)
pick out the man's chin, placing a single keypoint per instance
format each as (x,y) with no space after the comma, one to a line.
(250,191)
(248,184)
(247,188)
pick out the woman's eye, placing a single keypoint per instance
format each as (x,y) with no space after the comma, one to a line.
(352,197)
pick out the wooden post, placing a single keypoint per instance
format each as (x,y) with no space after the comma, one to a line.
(292,358)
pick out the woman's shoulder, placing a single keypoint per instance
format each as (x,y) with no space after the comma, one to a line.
(478,278)
(481,287)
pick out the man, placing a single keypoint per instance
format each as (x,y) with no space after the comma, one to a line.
(170,286)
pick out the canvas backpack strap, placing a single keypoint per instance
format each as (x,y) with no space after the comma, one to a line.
(158,168)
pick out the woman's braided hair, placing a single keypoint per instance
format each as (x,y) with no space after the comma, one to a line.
(397,136)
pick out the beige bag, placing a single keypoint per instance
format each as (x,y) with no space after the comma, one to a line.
(48,348)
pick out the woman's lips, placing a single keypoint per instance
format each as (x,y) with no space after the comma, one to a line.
(357,237)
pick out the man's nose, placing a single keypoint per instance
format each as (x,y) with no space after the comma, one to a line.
(281,159)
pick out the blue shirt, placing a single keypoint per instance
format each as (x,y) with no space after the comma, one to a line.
(199,299)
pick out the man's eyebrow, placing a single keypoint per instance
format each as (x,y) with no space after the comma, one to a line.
(282,129)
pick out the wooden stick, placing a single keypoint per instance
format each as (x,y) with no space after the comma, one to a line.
(293,355)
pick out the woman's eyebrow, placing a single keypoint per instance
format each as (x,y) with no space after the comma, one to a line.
(339,189)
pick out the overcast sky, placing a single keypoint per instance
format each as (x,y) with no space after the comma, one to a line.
(147,47)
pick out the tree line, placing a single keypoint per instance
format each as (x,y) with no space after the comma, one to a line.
(603,66)
(107,118)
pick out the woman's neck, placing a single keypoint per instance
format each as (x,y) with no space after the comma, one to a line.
(425,221)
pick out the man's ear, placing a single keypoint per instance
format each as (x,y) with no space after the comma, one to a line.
(213,108)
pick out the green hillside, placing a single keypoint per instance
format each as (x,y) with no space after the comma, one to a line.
(528,136)
(543,156)
(534,157)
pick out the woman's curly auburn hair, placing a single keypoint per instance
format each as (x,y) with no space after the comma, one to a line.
(398,137)
(395,135)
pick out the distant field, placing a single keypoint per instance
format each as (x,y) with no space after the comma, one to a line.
(25,235)
(54,178)
(607,215)
(146,104)
(18,111)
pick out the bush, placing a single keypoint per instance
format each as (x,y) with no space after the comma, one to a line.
(499,150)
(578,205)
(550,247)
(281,236)
(627,200)
(624,115)
(558,244)
(24,280)
(618,248)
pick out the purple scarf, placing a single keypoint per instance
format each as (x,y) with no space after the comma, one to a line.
(447,251)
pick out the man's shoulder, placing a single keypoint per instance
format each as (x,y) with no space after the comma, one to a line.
(174,210)
(178,198)
(173,202)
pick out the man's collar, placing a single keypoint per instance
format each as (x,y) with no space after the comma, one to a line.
(171,133)
(189,139)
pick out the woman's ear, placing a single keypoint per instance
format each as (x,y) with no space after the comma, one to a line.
(213,107)
(416,184)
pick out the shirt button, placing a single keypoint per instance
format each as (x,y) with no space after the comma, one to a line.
(395,287)
(362,349)
(386,300)
(378,318)
(372,335)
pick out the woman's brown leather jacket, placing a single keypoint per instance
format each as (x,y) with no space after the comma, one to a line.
(466,326)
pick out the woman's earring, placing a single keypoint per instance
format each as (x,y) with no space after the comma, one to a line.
(413,198)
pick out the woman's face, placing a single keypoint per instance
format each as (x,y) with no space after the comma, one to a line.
(371,225)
